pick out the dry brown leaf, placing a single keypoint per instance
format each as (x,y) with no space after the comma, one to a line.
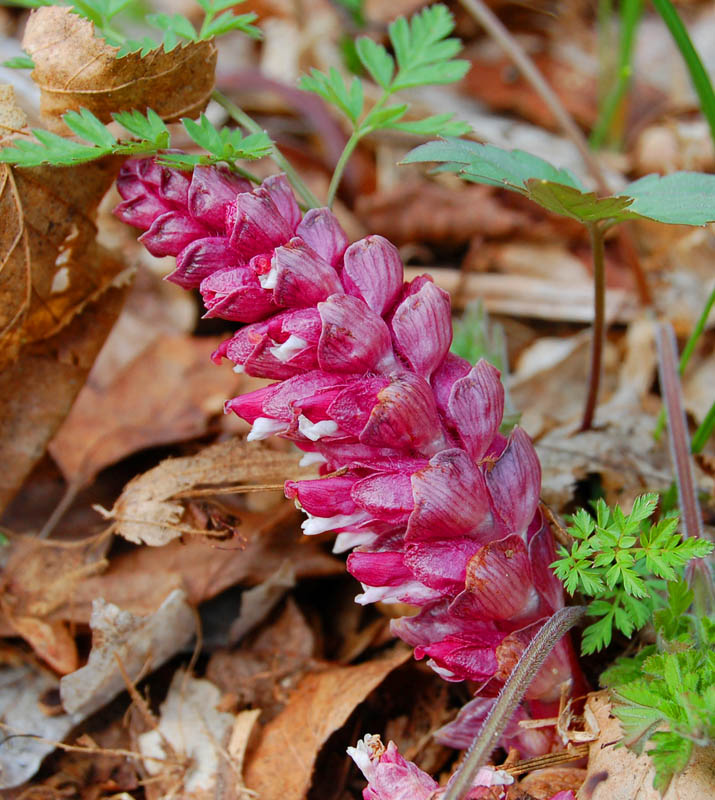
(522,296)
(141,644)
(50,263)
(21,712)
(167,394)
(192,730)
(51,641)
(75,69)
(139,580)
(431,213)
(615,773)
(147,510)
(282,763)
(268,665)
(542,784)
(38,389)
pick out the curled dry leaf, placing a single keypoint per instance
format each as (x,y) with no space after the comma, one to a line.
(141,644)
(192,736)
(148,509)
(615,773)
(320,705)
(75,69)
(21,712)
(167,394)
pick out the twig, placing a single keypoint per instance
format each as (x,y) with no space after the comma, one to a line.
(511,695)
(549,760)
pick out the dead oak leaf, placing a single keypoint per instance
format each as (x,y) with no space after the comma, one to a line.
(168,393)
(50,263)
(282,763)
(148,510)
(75,69)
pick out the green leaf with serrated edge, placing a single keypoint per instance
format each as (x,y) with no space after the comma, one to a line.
(150,127)
(669,756)
(176,23)
(597,636)
(19,62)
(431,74)
(435,125)
(231,22)
(686,198)
(483,163)
(88,127)
(376,60)
(383,117)
(570,202)
(204,134)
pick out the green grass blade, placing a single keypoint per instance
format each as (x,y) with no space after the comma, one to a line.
(698,74)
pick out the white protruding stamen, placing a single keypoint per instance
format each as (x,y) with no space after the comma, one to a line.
(269,279)
(292,345)
(239,369)
(314,525)
(348,539)
(312,458)
(264,427)
(316,430)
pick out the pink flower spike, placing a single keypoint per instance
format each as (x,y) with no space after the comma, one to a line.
(255,225)
(451,498)
(476,408)
(236,294)
(514,483)
(441,564)
(373,270)
(299,277)
(279,189)
(321,230)
(169,234)
(325,497)
(422,325)
(354,338)
(200,259)
(211,192)
(405,417)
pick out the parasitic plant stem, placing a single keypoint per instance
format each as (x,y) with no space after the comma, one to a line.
(511,695)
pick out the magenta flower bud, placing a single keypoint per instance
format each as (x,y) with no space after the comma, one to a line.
(299,276)
(372,269)
(476,407)
(327,497)
(428,310)
(514,483)
(236,294)
(171,232)
(200,259)
(354,338)
(498,583)
(278,187)
(385,495)
(450,370)
(255,225)
(451,498)
(142,210)
(321,231)
(212,191)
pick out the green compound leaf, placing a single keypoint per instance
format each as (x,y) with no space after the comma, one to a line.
(332,88)
(150,127)
(686,198)
(435,125)
(669,756)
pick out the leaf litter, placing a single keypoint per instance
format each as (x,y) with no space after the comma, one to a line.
(281,673)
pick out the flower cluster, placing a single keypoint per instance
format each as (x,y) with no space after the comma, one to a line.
(440,510)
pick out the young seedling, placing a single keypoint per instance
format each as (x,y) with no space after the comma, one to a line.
(683,198)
